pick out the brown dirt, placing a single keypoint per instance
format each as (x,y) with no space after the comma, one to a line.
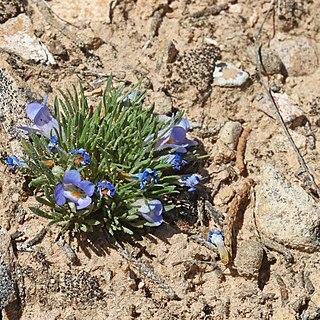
(134,40)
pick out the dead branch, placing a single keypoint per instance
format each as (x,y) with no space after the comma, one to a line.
(241,148)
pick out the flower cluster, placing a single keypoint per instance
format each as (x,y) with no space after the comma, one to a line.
(112,166)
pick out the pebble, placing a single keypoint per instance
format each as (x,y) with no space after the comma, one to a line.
(271,62)
(298,54)
(285,212)
(230,133)
(228,75)
(249,258)
(17,37)
(288,108)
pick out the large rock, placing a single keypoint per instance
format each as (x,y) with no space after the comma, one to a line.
(7,292)
(17,37)
(299,54)
(285,212)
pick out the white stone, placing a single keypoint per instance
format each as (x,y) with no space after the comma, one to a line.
(228,75)
(285,212)
(17,37)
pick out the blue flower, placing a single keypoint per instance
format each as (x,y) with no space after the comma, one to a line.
(82,158)
(53,143)
(73,188)
(40,115)
(147,177)
(174,136)
(13,162)
(106,188)
(176,160)
(189,180)
(217,238)
(151,210)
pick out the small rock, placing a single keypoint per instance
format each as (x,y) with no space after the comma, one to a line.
(171,52)
(285,212)
(228,75)
(230,133)
(298,55)
(271,62)
(289,110)
(15,197)
(249,258)
(17,37)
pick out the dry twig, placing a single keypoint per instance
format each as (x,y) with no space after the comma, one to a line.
(241,148)
(283,289)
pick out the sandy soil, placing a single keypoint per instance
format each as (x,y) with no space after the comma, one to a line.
(164,274)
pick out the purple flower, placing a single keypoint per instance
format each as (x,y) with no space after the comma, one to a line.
(176,160)
(151,210)
(53,143)
(147,177)
(217,238)
(189,180)
(13,162)
(175,137)
(106,188)
(40,115)
(82,158)
(73,188)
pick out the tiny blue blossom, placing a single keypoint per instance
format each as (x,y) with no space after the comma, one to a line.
(82,158)
(147,177)
(190,180)
(53,143)
(13,162)
(217,238)
(176,160)
(106,188)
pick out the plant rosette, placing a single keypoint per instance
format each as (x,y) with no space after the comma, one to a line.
(113,166)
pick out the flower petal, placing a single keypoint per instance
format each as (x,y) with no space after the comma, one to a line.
(178,135)
(87,187)
(59,195)
(73,177)
(184,123)
(83,203)
(33,109)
